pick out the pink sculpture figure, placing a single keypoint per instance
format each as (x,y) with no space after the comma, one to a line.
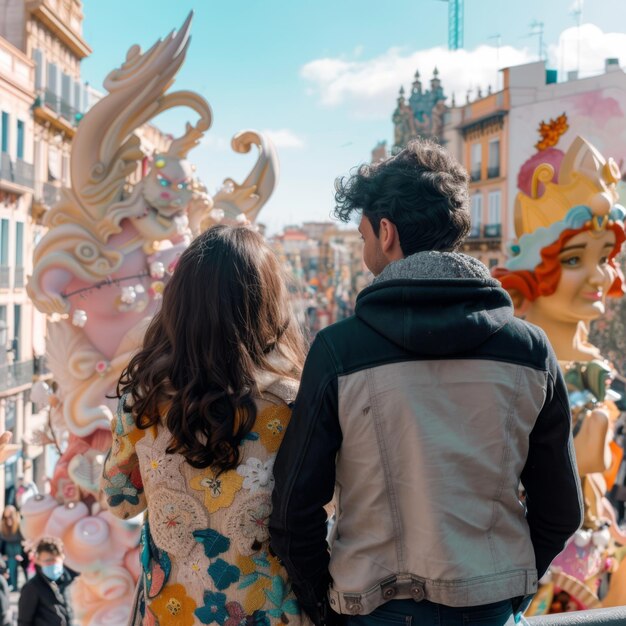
(99,273)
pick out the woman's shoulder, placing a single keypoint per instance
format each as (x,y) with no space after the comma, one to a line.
(282,390)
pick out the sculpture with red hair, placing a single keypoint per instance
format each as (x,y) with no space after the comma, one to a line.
(559,273)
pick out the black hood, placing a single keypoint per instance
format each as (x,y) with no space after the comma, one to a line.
(435,316)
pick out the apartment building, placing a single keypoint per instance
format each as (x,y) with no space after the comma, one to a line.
(477,134)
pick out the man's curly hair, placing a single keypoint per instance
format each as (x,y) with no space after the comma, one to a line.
(422,190)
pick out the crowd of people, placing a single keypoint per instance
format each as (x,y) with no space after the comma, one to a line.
(400,437)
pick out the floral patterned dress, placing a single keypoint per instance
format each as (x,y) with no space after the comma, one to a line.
(205,543)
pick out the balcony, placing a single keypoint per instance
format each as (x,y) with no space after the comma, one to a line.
(18,280)
(68,112)
(16,375)
(24,173)
(493,230)
(50,108)
(51,100)
(5,277)
(17,172)
(40,366)
(475,175)
(46,196)
(493,171)
(50,194)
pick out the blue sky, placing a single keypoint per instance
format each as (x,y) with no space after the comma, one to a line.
(322,77)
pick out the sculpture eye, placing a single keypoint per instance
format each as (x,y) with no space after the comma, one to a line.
(182,185)
(163,181)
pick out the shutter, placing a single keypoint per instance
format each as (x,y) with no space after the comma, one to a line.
(39,60)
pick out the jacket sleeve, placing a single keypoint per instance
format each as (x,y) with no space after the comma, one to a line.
(5,604)
(554,506)
(305,480)
(27,607)
(121,479)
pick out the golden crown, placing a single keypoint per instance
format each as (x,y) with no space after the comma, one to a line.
(585,178)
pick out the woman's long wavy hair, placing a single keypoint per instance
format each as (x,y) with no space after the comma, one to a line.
(225,317)
(10,512)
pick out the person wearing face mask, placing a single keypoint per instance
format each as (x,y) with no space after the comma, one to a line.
(44,600)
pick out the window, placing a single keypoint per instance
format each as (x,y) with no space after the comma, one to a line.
(17,329)
(78,100)
(4,242)
(65,170)
(493,262)
(53,78)
(476,158)
(66,96)
(493,168)
(476,214)
(10,418)
(494,228)
(494,207)
(53,88)
(19,244)
(20,139)
(54,169)
(39,60)
(5,131)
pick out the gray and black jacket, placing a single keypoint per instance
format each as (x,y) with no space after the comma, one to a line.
(422,414)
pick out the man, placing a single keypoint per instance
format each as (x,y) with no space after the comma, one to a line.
(422,413)
(44,600)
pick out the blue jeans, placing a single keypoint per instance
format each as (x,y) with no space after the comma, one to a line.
(424,613)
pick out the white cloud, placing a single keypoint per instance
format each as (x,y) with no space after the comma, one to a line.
(586,49)
(285,138)
(220,144)
(369,87)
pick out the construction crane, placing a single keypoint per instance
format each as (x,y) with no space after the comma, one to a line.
(455,24)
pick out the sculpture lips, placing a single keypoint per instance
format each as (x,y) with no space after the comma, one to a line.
(592,295)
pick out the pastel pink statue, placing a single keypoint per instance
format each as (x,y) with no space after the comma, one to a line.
(99,273)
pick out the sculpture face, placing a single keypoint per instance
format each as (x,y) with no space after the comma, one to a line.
(586,276)
(167,192)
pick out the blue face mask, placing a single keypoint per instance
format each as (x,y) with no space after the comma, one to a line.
(53,572)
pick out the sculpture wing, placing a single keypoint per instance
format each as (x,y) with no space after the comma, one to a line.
(250,196)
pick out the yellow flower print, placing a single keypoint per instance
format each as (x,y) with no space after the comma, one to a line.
(271,425)
(137,434)
(174,606)
(261,569)
(245,564)
(219,491)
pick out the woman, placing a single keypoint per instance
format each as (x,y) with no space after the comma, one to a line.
(559,274)
(12,539)
(203,408)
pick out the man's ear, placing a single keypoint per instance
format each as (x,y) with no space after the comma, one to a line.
(387,233)
(390,240)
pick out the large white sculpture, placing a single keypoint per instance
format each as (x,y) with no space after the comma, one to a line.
(99,272)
